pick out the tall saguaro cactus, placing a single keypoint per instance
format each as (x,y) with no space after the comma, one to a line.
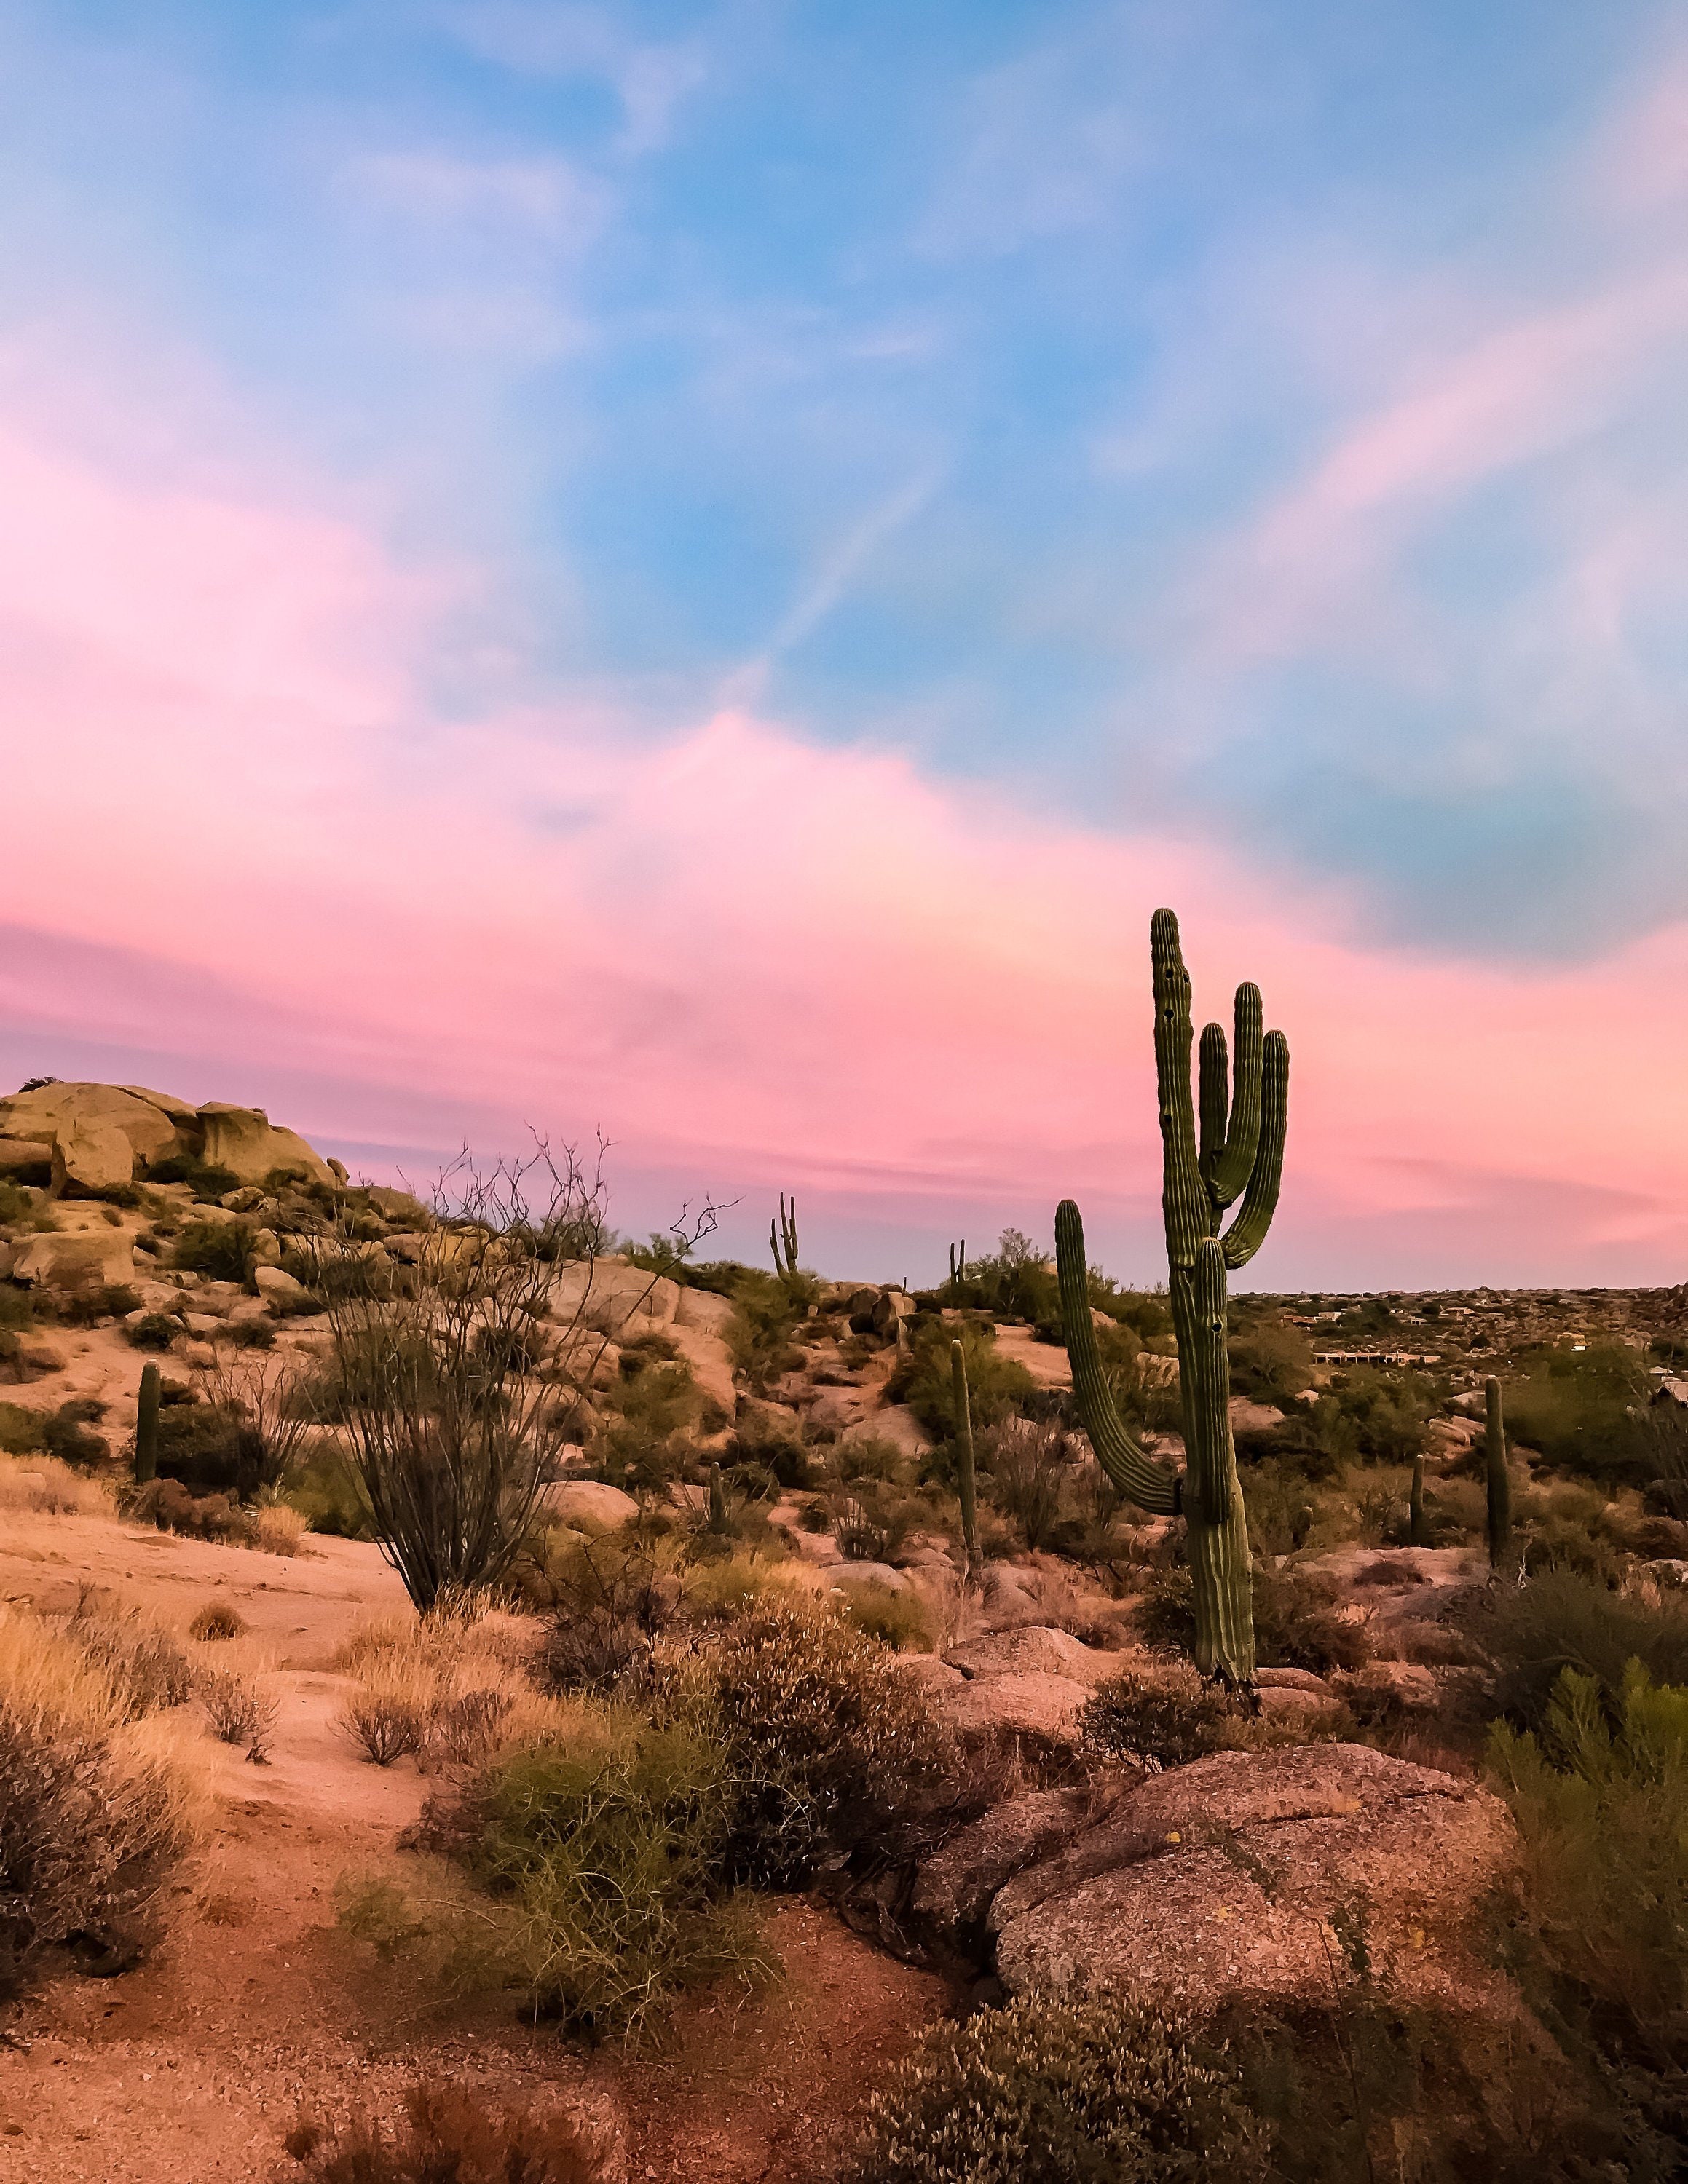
(1238,1155)
(1498,1479)
(966,1472)
(782,1240)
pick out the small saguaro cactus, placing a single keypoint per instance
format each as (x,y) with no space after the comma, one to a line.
(966,1474)
(717,1503)
(782,1240)
(1239,1156)
(1417,1525)
(1498,1478)
(147,1427)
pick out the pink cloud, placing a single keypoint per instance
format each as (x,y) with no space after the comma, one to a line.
(251,867)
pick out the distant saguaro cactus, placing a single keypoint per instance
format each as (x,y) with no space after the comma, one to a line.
(147,1427)
(958,1262)
(966,1475)
(782,1240)
(1240,1155)
(1417,1525)
(1498,1478)
(716,1521)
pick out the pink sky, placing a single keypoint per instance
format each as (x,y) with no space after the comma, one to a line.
(245,862)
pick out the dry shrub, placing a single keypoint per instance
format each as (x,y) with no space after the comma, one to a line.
(448,1688)
(216,1619)
(277,1529)
(95,1814)
(451,2136)
(1165,1719)
(146,1666)
(388,1712)
(44,1486)
(900,1620)
(237,1711)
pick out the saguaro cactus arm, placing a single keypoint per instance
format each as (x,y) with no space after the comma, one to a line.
(1232,1164)
(1248,1230)
(1138,1477)
(1184,1194)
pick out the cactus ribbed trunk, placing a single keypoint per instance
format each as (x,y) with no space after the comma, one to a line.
(1499,1480)
(1417,1525)
(1240,1154)
(966,1476)
(717,1501)
(147,1427)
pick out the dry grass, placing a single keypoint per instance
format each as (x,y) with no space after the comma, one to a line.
(450,1690)
(451,2136)
(238,1710)
(97,1808)
(277,1529)
(217,1620)
(43,1486)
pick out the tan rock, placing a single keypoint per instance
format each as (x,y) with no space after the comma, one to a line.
(1223,1878)
(702,1308)
(587,1505)
(78,1119)
(1003,1709)
(79,1261)
(19,1153)
(183,1113)
(400,1206)
(1035,1649)
(250,1147)
(614,1298)
(277,1286)
(710,1360)
(854,1577)
(954,1887)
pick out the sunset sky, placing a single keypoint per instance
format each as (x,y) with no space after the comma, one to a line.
(700,570)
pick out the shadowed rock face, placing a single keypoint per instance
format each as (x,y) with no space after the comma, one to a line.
(1272,1873)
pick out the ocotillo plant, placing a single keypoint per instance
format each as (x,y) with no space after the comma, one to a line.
(1499,1480)
(1417,1525)
(147,1427)
(966,1476)
(782,1240)
(1239,1155)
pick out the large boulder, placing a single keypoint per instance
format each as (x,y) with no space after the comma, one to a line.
(710,1360)
(955,1886)
(1034,1709)
(18,1154)
(99,1134)
(587,1505)
(76,1261)
(1253,1873)
(703,1309)
(614,1298)
(250,1147)
(1035,1650)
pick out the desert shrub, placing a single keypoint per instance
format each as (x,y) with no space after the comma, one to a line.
(217,1620)
(211,1450)
(66,1435)
(1298,1624)
(1377,1417)
(1027,1460)
(1282,1507)
(760,1334)
(1051,2092)
(220,1249)
(452,2136)
(319,1485)
(465,1728)
(900,1620)
(1598,1918)
(1270,1360)
(1559,1620)
(645,1443)
(99,1301)
(1168,1719)
(996,1386)
(828,1742)
(610,1597)
(154,1330)
(209,1183)
(238,1711)
(144,1666)
(387,1715)
(607,1858)
(448,1688)
(47,1487)
(868,1456)
(94,1818)
(870,1526)
(277,1529)
(250,1334)
(167,1504)
(23,1431)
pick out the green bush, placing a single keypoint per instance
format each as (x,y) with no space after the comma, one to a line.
(924,1381)
(607,1860)
(23,1431)
(103,1300)
(154,1330)
(1577,1408)
(220,1249)
(210,1184)
(1270,1360)
(1297,1624)
(900,1620)
(319,1485)
(1598,1927)
(831,1745)
(1168,1717)
(1560,1620)
(760,1333)
(1098,2091)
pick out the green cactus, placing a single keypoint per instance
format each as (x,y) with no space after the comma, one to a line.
(147,1427)
(1417,1525)
(1239,1156)
(782,1240)
(958,1262)
(717,1503)
(1499,1480)
(966,1476)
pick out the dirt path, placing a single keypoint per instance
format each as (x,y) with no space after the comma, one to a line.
(189,2069)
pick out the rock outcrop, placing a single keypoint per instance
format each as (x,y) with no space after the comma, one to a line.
(96,1137)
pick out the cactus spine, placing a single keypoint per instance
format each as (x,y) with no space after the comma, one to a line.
(966,1476)
(1499,1478)
(1417,1525)
(782,1240)
(1239,1155)
(147,1427)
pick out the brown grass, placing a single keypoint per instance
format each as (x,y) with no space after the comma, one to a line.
(451,2136)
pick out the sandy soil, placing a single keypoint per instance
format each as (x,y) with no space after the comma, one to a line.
(191,2068)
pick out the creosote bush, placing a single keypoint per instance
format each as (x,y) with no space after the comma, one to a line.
(1097,2092)
(1560,1620)
(1166,1718)
(452,2134)
(95,1814)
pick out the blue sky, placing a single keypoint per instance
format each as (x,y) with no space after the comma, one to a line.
(925,375)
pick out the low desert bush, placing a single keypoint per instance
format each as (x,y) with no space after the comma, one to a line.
(217,1620)
(610,1596)
(97,1301)
(1298,1624)
(220,1249)
(238,1710)
(144,1666)
(605,1859)
(900,1620)
(1050,2093)
(996,1386)
(95,1816)
(277,1529)
(828,1743)
(447,1688)
(1559,1620)
(450,2134)
(1166,1718)
(154,1330)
